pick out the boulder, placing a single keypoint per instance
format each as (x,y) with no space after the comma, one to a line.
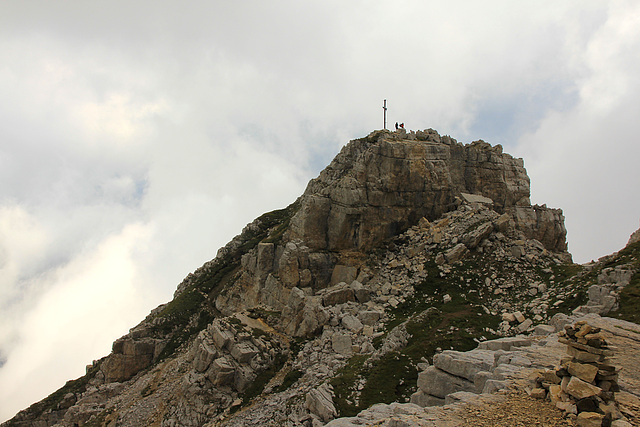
(319,401)
(583,371)
(581,389)
(221,371)
(352,323)
(308,320)
(589,419)
(296,299)
(538,393)
(243,378)
(129,357)
(342,344)
(464,364)
(456,253)
(243,351)
(362,294)
(203,357)
(519,316)
(504,343)
(508,317)
(524,326)
(265,259)
(422,399)
(543,224)
(343,273)
(544,330)
(220,334)
(559,320)
(475,237)
(369,317)
(438,383)
(338,294)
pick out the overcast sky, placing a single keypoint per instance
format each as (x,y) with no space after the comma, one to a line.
(138,137)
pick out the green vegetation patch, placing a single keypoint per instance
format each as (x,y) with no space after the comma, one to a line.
(289,379)
(393,377)
(629,309)
(271,229)
(344,386)
(179,321)
(431,324)
(629,301)
(263,378)
(390,379)
(630,254)
(270,317)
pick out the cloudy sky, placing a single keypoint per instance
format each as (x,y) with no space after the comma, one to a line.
(138,137)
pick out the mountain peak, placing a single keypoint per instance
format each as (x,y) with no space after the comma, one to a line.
(380,185)
(405,243)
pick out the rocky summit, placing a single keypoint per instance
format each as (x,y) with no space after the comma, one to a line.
(410,275)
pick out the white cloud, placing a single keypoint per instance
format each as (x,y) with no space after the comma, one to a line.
(140,137)
(70,323)
(583,159)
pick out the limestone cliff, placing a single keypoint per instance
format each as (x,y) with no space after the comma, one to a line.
(378,186)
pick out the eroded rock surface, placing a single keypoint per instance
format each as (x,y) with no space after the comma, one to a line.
(380,185)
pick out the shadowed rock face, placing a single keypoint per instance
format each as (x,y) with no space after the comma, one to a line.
(378,186)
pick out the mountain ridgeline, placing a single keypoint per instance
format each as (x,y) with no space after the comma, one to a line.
(406,244)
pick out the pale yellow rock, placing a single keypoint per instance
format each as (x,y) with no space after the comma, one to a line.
(583,371)
(589,419)
(581,389)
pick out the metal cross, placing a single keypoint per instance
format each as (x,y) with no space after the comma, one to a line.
(384,108)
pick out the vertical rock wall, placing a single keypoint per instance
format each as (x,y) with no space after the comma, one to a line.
(378,186)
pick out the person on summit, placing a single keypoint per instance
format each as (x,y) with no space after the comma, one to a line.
(401,125)
(396,125)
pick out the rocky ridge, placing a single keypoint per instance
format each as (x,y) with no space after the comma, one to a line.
(406,247)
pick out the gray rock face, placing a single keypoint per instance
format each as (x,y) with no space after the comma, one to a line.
(438,383)
(320,402)
(342,344)
(376,188)
(634,238)
(543,224)
(380,185)
(129,356)
(464,364)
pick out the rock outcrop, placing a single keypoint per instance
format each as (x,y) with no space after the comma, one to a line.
(380,185)
(377,188)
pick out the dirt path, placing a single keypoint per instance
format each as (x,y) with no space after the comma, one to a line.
(518,409)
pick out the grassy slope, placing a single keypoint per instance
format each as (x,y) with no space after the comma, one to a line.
(458,323)
(630,295)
